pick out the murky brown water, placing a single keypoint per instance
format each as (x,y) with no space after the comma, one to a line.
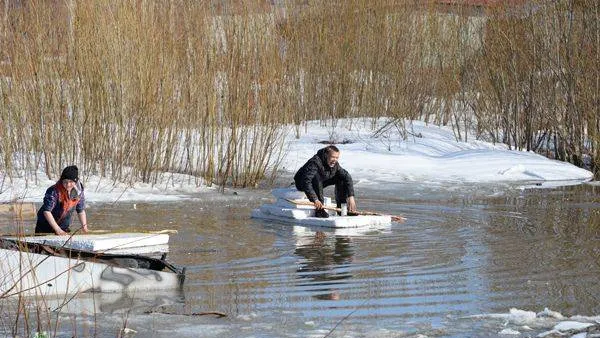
(463,251)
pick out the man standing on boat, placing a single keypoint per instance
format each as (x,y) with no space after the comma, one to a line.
(323,170)
(60,200)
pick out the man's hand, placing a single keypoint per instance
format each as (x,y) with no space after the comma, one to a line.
(84,228)
(351,204)
(318,205)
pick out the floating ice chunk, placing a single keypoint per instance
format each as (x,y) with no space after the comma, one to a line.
(509,332)
(569,325)
(549,333)
(247,317)
(580,335)
(521,317)
(549,313)
(563,328)
(576,326)
(586,318)
(515,316)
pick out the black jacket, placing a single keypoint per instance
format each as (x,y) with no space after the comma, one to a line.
(316,174)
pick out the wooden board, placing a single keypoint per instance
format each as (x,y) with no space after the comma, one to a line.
(108,242)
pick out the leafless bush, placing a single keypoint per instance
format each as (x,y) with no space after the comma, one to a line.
(130,90)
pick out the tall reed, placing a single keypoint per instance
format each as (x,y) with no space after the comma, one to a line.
(130,90)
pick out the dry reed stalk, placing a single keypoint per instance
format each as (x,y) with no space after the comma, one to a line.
(130,90)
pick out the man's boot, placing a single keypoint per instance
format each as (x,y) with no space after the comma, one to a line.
(321,213)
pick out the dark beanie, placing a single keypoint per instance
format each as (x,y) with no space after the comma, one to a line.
(70,173)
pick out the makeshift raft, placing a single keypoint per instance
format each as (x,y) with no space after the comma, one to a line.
(283,210)
(64,265)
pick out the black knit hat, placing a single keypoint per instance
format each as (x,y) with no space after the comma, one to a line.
(70,173)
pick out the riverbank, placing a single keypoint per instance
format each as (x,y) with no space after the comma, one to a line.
(428,153)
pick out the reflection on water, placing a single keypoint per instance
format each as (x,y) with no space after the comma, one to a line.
(111,303)
(464,250)
(325,263)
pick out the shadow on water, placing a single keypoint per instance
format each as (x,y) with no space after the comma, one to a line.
(465,250)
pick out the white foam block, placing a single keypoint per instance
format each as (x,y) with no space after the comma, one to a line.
(100,242)
(331,222)
(288,193)
(149,250)
(297,213)
(276,210)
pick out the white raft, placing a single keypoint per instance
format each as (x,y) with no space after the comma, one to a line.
(284,211)
(85,263)
(32,274)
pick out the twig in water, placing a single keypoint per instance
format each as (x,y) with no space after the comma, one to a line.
(193,314)
(345,317)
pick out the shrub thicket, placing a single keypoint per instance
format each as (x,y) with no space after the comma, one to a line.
(131,89)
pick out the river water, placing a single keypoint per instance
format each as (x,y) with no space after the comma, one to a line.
(465,250)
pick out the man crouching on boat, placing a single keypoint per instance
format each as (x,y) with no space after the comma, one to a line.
(60,200)
(323,170)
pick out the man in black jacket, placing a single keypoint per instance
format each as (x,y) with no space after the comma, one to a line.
(323,170)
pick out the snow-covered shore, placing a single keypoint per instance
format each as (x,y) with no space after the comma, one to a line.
(428,154)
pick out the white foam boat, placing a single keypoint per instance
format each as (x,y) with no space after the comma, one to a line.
(59,265)
(296,213)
